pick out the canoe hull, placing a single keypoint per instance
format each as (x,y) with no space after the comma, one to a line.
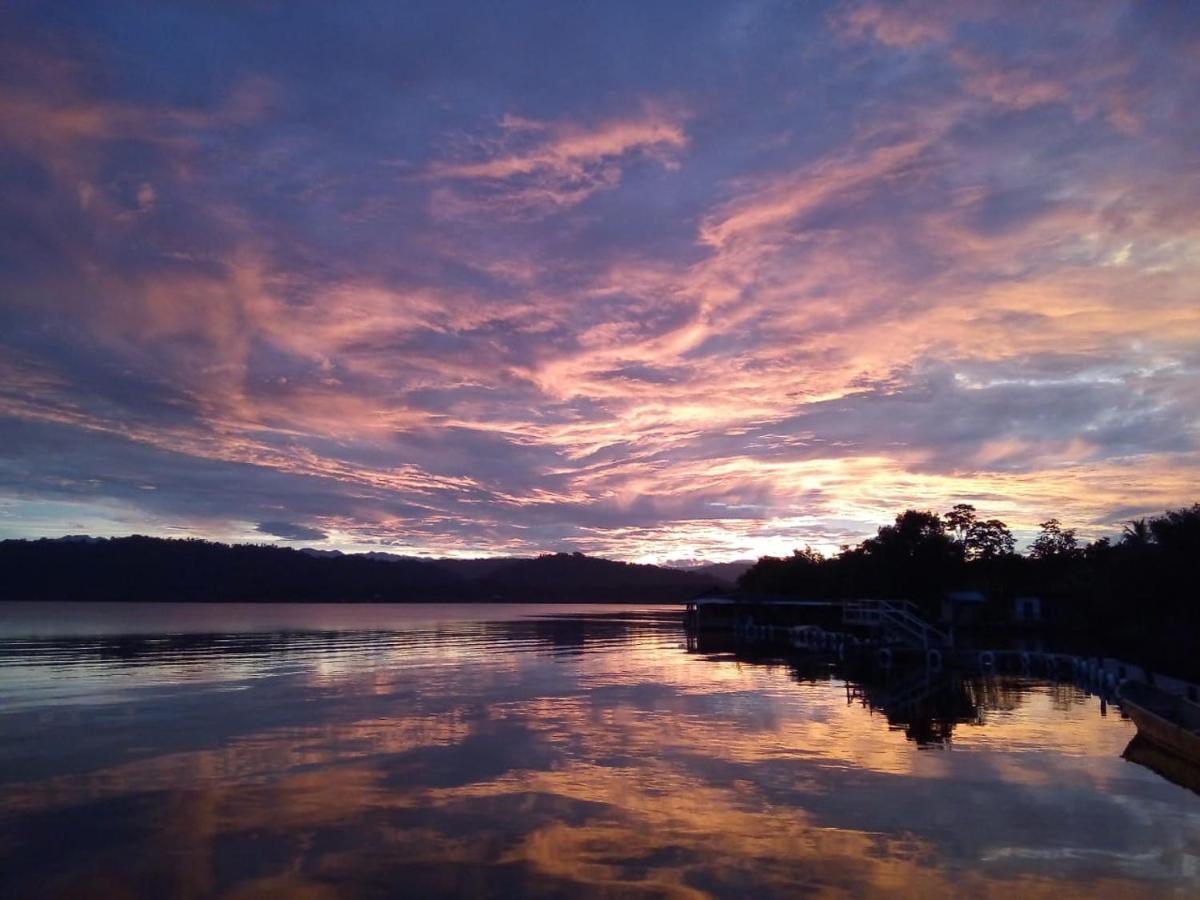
(1163,733)
(1167,721)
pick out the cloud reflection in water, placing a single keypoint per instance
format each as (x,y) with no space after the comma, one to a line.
(450,750)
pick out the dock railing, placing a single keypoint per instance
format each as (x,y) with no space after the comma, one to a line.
(897,619)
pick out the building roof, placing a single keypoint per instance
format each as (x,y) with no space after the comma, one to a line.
(965,596)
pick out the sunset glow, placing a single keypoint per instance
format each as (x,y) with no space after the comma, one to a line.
(648,282)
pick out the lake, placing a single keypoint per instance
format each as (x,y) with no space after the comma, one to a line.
(422,750)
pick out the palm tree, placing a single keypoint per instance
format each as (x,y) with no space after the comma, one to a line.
(1136,533)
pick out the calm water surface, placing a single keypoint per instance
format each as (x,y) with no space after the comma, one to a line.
(334,751)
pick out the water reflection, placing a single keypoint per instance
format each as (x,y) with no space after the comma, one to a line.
(375,751)
(1168,765)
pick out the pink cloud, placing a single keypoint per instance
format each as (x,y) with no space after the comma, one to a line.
(535,167)
(653,401)
(896,25)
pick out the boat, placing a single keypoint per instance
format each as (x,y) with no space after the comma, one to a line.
(1167,720)
(1163,763)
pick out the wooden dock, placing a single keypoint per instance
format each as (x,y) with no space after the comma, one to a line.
(893,623)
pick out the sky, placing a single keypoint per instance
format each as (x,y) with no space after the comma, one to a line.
(657,281)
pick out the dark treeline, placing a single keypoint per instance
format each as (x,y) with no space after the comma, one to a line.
(156,569)
(1144,585)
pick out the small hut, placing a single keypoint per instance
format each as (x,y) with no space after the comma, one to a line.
(1026,610)
(962,607)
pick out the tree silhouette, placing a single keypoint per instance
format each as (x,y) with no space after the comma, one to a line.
(915,533)
(961,519)
(1137,595)
(988,540)
(1136,533)
(1177,529)
(1053,541)
(915,557)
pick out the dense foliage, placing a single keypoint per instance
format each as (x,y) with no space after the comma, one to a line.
(1145,583)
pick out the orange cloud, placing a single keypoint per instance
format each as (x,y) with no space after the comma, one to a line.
(471,344)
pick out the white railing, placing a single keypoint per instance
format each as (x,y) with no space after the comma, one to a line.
(898,618)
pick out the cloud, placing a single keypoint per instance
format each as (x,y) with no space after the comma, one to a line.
(888,256)
(536,168)
(896,25)
(290,531)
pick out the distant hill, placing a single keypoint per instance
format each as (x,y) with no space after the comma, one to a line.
(158,569)
(470,569)
(573,576)
(475,569)
(146,568)
(723,571)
